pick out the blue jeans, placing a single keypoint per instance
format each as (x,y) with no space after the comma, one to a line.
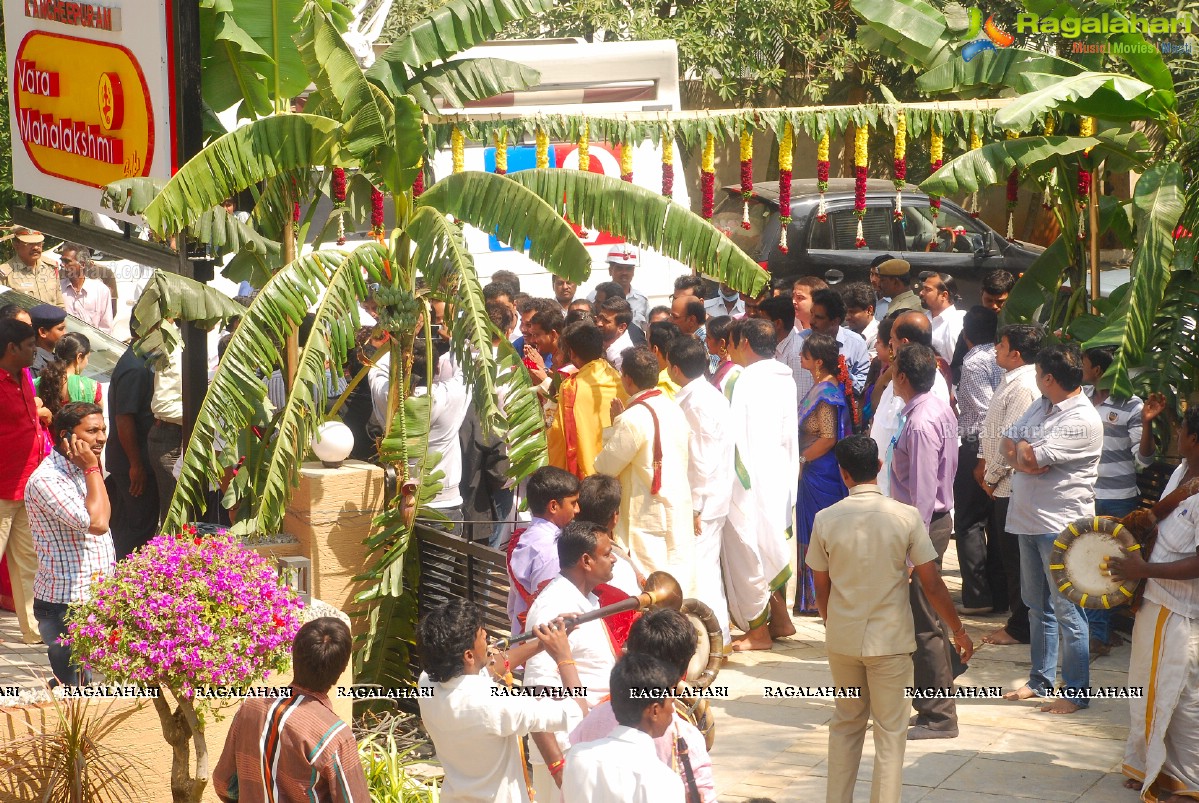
(52,623)
(1100,619)
(1048,613)
(503,501)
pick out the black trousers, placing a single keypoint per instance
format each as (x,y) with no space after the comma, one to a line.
(1007,545)
(134,518)
(971,510)
(933,660)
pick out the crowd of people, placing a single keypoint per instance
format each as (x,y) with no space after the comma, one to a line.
(838,436)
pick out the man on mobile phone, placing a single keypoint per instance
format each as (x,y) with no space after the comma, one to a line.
(68,515)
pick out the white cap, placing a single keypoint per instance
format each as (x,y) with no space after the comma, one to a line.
(623,254)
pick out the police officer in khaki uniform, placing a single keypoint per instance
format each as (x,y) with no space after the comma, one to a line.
(895,280)
(27,272)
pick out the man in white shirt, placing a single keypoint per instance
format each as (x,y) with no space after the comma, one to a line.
(788,339)
(937,293)
(859,314)
(826,318)
(646,449)
(728,302)
(586,560)
(622,767)
(87,299)
(475,728)
(613,319)
(710,470)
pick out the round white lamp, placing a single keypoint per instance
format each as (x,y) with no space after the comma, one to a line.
(332,443)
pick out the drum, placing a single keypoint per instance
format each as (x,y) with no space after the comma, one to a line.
(1078,553)
(709,650)
(699,714)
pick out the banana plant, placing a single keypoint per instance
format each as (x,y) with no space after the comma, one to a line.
(351,123)
(1141,97)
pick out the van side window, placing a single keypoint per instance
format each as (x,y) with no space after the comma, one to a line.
(840,231)
(940,236)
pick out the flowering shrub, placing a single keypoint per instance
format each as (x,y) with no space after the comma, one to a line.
(188,611)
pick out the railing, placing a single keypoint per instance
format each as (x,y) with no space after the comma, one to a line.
(454,568)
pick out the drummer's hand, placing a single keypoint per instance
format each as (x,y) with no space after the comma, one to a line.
(965,646)
(1129,566)
(553,638)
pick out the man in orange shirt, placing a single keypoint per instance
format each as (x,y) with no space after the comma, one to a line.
(584,402)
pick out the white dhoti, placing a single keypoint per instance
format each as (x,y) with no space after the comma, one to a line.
(755,548)
(708,581)
(1163,734)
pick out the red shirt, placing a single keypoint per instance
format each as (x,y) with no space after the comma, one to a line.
(20,438)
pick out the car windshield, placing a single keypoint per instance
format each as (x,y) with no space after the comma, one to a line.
(728,218)
(106,349)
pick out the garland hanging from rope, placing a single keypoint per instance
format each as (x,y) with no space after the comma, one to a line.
(1013,193)
(822,175)
(861,142)
(500,138)
(1086,128)
(975,143)
(936,152)
(667,163)
(377,232)
(786,147)
(901,162)
(584,147)
(338,187)
(707,168)
(458,150)
(418,183)
(1051,177)
(626,162)
(542,150)
(747,174)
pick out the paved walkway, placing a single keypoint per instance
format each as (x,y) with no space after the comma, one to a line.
(777,748)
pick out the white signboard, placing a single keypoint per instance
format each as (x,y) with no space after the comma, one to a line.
(91,95)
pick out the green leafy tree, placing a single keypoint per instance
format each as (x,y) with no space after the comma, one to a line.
(354,124)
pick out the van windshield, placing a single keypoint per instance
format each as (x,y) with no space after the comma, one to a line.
(728,216)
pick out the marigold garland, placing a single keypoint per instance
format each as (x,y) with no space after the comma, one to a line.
(747,174)
(584,146)
(975,143)
(708,177)
(626,162)
(786,146)
(901,162)
(500,138)
(822,175)
(1013,193)
(376,214)
(936,152)
(667,164)
(847,388)
(861,141)
(543,149)
(457,149)
(1086,128)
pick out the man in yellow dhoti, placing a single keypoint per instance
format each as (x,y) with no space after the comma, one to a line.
(647,450)
(584,402)
(1162,754)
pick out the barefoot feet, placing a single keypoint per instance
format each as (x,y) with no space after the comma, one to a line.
(1000,636)
(1022,693)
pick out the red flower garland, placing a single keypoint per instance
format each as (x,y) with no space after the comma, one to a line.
(667,179)
(859,200)
(901,175)
(784,203)
(418,184)
(708,186)
(339,184)
(847,388)
(377,213)
(1013,197)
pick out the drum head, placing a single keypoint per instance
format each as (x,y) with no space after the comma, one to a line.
(703,649)
(1078,554)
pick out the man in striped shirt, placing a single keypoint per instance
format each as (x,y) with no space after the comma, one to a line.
(295,748)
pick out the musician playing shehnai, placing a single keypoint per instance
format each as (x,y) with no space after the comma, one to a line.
(586,560)
(614,769)
(478,733)
(667,635)
(646,449)
(1162,753)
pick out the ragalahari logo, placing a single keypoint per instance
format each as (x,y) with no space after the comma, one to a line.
(983,36)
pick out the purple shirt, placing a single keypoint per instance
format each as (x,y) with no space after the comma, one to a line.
(926,456)
(532,563)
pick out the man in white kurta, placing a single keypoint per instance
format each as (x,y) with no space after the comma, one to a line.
(763,416)
(710,470)
(586,560)
(1162,753)
(656,527)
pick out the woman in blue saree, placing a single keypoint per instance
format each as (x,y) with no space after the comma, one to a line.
(826,415)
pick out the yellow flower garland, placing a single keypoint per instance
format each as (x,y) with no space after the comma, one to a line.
(584,144)
(747,145)
(501,151)
(457,146)
(936,147)
(626,159)
(708,162)
(543,149)
(976,141)
(1050,125)
(667,149)
(901,135)
(1086,127)
(822,148)
(786,147)
(861,141)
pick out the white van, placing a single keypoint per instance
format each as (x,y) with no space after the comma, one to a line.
(580,78)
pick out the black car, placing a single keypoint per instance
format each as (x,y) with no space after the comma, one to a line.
(953,243)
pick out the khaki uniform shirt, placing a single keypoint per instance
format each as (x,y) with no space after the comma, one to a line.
(907,300)
(41,283)
(865,543)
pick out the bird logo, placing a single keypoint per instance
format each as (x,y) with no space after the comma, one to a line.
(981,36)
